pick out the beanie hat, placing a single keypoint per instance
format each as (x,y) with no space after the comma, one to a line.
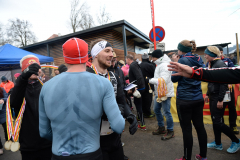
(220,48)
(62,68)
(212,51)
(27,61)
(145,56)
(75,51)
(157,53)
(17,75)
(4,78)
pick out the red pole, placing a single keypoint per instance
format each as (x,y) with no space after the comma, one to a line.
(153,23)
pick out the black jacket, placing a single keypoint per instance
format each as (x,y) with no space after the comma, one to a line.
(147,69)
(216,90)
(135,73)
(120,96)
(119,73)
(29,137)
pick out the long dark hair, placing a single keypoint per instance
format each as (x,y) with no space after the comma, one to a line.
(1,92)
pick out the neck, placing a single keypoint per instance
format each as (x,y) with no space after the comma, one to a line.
(99,68)
(130,62)
(76,67)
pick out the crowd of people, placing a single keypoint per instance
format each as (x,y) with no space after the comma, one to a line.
(80,112)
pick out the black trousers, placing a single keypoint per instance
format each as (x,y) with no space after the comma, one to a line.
(45,154)
(111,147)
(5,134)
(192,111)
(218,122)
(146,102)
(138,104)
(97,155)
(232,110)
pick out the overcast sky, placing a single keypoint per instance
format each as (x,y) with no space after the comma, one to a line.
(206,21)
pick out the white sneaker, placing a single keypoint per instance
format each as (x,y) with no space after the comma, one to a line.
(1,151)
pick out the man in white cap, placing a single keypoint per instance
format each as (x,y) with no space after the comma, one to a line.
(71,105)
(110,141)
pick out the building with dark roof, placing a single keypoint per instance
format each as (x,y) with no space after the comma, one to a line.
(123,37)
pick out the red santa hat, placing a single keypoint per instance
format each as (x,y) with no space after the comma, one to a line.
(27,61)
(75,51)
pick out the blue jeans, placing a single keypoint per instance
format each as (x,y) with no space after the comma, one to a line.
(166,109)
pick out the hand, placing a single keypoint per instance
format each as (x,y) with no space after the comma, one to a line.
(133,124)
(183,70)
(147,79)
(1,101)
(206,99)
(121,108)
(220,105)
(32,69)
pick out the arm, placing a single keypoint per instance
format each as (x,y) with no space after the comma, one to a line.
(177,78)
(18,94)
(45,129)
(111,109)
(131,118)
(226,75)
(121,98)
(165,74)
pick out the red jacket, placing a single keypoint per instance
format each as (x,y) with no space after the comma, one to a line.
(7,86)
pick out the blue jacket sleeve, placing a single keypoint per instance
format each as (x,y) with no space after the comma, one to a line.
(230,63)
(111,109)
(45,129)
(177,78)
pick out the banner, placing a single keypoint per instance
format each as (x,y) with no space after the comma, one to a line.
(206,111)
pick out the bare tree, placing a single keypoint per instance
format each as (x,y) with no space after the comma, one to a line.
(3,39)
(79,16)
(19,32)
(103,17)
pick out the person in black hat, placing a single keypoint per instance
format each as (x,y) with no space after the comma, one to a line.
(62,68)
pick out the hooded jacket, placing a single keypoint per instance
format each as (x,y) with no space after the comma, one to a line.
(162,71)
(7,86)
(119,73)
(189,89)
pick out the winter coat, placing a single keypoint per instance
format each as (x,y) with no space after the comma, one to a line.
(216,90)
(135,73)
(189,89)
(3,111)
(162,71)
(7,86)
(148,71)
(29,137)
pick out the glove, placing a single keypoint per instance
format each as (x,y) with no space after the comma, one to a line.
(121,108)
(32,69)
(133,124)
(147,79)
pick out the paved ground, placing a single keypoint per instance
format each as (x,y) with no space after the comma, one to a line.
(144,146)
